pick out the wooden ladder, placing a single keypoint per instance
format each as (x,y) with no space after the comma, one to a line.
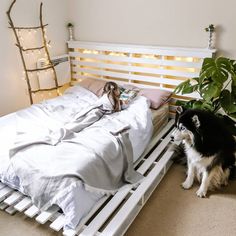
(23,50)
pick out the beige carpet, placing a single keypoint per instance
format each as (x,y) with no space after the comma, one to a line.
(170,211)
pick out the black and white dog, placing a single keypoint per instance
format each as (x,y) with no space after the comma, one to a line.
(209,147)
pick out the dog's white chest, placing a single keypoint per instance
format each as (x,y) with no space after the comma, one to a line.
(193,156)
(197,160)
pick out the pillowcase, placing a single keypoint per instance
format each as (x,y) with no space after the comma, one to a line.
(156,97)
(94,85)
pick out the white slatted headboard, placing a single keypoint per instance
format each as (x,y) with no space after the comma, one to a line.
(145,66)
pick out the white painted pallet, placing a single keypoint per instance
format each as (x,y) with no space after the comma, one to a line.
(139,65)
(118,211)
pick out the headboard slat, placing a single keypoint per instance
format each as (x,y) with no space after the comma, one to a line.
(143,49)
(152,61)
(144,66)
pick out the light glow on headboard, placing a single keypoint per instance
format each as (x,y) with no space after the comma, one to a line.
(145,66)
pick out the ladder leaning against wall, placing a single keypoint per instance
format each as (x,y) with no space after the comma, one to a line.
(23,50)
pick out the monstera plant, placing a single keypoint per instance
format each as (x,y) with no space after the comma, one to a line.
(216,86)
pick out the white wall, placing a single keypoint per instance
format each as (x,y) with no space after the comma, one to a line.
(156,22)
(26,12)
(151,22)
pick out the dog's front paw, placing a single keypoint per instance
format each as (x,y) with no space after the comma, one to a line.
(186,185)
(201,193)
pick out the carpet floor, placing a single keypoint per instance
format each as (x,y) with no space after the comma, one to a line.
(170,211)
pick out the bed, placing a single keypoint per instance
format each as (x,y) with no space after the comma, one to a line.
(142,66)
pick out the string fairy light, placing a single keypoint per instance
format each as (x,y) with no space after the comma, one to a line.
(23,36)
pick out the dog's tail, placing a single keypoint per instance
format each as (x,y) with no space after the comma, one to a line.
(179,155)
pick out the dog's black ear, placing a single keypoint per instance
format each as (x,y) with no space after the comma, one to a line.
(196,121)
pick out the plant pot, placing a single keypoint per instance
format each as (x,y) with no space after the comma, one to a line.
(71,33)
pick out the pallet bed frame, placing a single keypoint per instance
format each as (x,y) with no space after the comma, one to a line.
(145,66)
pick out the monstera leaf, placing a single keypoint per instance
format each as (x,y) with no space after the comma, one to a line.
(210,91)
(228,102)
(186,87)
(215,76)
(217,69)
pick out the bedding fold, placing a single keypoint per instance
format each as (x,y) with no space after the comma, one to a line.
(101,157)
(47,141)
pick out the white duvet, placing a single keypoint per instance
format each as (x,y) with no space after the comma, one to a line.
(74,200)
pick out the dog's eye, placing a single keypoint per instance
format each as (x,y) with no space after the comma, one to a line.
(182,128)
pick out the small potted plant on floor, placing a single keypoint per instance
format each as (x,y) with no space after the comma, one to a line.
(216,86)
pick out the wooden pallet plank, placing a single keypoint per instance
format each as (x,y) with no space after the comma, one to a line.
(32,211)
(4,192)
(143,69)
(120,218)
(58,223)
(43,217)
(3,206)
(142,60)
(10,210)
(86,218)
(100,219)
(143,49)
(147,164)
(23,204)
(14,197)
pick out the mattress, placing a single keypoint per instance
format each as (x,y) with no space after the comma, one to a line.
(8,126)
(160,118)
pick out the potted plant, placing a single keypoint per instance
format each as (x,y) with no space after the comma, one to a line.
(210,29)
(70,27)
(216,86)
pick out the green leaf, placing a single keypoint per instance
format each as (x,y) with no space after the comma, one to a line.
(233,63)
(185,87)
(233,115)
(233,85)
(228,102)
(188,88)
(180,103)
(208,106)
(196,79)
(211,91)
(197,105)
(216,69)
(180,87)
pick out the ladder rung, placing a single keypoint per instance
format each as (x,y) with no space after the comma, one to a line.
(40,69)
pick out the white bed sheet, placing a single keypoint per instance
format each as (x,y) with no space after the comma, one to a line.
(76,98)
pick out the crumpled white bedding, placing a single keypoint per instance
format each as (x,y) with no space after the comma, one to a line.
(78,201)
